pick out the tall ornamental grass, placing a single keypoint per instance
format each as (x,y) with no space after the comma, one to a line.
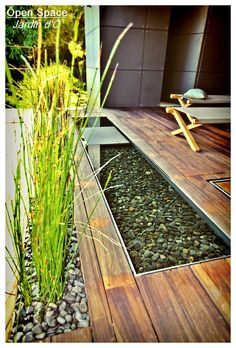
(48,163)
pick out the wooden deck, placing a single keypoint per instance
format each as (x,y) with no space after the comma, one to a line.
(149,129)
(186,304)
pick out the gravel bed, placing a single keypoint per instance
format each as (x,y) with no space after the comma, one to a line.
(158,227)
(38,321)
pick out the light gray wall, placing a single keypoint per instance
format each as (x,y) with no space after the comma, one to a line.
(92,43)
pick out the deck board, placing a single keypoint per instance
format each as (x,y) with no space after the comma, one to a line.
(79,335)
(166,313)
(131,321)
(101,322)
(112,260)
(210,284)
(219,270)
(206,319)
(125,304)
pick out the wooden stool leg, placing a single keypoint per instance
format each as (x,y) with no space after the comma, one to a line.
(189,126)
(184,128)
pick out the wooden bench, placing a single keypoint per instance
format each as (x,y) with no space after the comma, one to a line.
(197,116)
(211,100)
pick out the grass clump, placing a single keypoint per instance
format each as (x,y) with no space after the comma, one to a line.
(49,167)
(27,90)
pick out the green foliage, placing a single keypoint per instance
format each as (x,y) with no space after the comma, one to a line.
(30,88)
(49,169)
(24,41)
(14,224)
(50,165)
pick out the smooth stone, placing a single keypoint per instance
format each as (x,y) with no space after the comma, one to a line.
(29,337)
(162,257)
(29,310)
(52,305)
(83,307)
(37,319)
(85,316)
(28,327)
(44,326)
(51,321)
(191,259)
(146,253)
(162,228)
(68,318)
(61,320)
(83,323)
(137,244)
(69,298)
(50,313)
(179,241)
(63,313)
(51,332)
(77,316)
(155,257)
(73,326)
(75,306)
(59,331)
(40,336)
(67,330)
(205,247)
(62,306)
(215,246)
(22,313)
(192,252)
(18,336)
(77,289)
(37,329)
(172,259)
(78,283)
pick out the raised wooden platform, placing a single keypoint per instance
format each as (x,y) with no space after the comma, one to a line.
(188,304)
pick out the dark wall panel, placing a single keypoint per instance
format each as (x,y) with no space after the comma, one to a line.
(177,82)
(213,58)
(188,19)
(219,20)
(121,16)
(141,54)
(130,52)
(221,83)
(125,90)
(154,50)
(158,17)
(186,33)
(151,88)
(183,52)
(214,67)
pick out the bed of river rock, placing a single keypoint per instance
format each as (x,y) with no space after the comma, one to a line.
(159,228)
(39,321)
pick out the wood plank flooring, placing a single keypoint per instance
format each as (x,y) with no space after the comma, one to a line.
(186,304)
